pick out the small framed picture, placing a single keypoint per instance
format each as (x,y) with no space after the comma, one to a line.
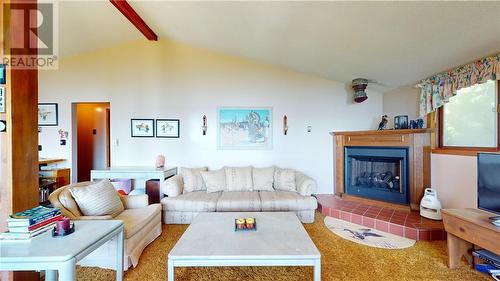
(167,128)
(47,114)
(142,128)
(401,122)
(3,76)
(2,99)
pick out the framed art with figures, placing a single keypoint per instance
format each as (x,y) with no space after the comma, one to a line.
(167,128)
(142,128)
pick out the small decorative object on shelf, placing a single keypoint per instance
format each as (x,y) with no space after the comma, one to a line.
(383,124)
(401,122)
(160,161)
(204,125)
(285,125)
(241,224)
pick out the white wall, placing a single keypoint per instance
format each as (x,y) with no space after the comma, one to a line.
(169,80)
(401,101)
(454,176)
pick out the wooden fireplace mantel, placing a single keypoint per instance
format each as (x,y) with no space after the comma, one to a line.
(418,142)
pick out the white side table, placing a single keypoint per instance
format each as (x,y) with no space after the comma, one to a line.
(60,254)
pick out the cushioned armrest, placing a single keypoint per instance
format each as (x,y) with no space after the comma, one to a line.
(305,185)
(173,186)
(135,201)
(106,217)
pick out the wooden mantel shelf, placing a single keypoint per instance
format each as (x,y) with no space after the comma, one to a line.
(383,132)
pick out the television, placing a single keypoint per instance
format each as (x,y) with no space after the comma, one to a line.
(488,182)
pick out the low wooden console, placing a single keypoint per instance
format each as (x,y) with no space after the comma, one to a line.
(418,143)
(466,228)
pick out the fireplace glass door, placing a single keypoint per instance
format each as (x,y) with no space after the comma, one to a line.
(377,173)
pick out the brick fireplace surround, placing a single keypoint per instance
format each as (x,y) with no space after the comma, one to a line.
(408,224)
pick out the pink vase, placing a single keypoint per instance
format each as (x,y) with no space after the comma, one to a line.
(160,161)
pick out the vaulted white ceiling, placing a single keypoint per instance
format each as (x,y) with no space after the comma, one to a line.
(395,43)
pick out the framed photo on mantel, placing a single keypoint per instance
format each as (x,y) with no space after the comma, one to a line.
(144,128)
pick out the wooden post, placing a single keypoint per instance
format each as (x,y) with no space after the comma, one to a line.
(19,144)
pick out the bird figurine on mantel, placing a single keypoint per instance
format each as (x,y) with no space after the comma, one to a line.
(383,124)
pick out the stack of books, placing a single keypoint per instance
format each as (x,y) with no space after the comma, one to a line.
(30,223)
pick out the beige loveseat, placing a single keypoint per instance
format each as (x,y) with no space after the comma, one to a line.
(181,206)
(142,225)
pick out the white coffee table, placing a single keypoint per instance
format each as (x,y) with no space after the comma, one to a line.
(210,240)
(62,253)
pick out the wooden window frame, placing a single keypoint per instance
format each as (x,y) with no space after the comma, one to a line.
(465,150)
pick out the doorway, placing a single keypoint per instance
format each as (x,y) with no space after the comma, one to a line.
(91,138)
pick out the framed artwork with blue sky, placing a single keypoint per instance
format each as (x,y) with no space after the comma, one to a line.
(245,128)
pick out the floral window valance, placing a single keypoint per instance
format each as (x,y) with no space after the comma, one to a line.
(438,89)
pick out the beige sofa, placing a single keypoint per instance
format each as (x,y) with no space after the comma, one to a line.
(180,207)
(142,225)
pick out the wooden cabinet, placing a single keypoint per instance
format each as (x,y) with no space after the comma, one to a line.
(418,143)
(468,227)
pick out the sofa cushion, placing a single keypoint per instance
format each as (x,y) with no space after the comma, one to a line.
(69,202)
(263,178)
(198,201)
(136,219)
(284,179)
(97,199)
(239,178)
(192,179)
(238,201)
(214,180)
(286,201)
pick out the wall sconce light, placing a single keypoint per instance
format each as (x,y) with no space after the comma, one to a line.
(204,126)
(285,125)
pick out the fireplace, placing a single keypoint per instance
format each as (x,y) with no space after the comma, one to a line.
(379,173)
(389,167)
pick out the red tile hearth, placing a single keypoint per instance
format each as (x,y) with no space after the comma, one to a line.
(402,223)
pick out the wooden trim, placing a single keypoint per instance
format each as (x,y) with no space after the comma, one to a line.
(383,132)
(124,7)
(462,151)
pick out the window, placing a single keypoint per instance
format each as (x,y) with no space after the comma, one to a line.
(470,119)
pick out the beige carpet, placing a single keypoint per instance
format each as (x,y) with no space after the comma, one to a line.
(341,260)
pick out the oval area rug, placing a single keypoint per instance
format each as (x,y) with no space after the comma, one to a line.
(367,236)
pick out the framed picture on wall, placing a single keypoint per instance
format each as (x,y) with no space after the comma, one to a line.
(3,77)
(167,128)
(142,128)
(47,114)
(2,99)
(245,128)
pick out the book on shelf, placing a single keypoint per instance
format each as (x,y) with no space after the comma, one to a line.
(35,226)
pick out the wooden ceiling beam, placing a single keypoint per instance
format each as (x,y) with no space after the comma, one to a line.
(124,7)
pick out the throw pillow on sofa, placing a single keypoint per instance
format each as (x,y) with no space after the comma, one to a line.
(239,178)
(192,179)
(263,178)
(284,179)
(214,180)
(98,199)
